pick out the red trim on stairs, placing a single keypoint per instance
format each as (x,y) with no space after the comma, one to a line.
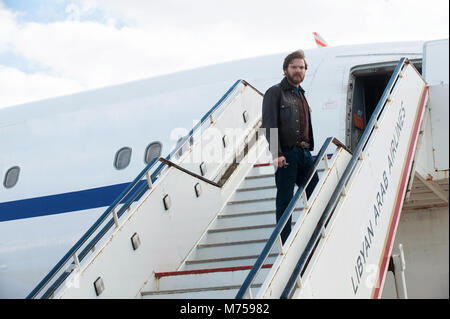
(205,271)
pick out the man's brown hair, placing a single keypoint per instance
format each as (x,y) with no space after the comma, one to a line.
(299,54)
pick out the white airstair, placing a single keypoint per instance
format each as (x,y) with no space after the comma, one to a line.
(227,251)
(343,247)
(203,225)
(219,263)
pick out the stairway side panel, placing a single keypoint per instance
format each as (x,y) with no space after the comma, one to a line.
(361,230)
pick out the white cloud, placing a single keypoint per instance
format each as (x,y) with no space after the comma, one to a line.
(74,12)
(138,39)
(7,27)
(17,87)
(342,22)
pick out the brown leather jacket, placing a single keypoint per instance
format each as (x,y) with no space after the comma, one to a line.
(280,110)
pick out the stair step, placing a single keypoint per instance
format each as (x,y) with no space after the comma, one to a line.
(259,176)
(266,180)
(219,292)
(247,201)
(204,278)
(234,243)
(263,163)
(208,282)
(210,260)
(254,205)
(160,275)
(256,188)
(253,194)
(242,214)
(262,170)
(234,234)
(235,215)
(224,252)
(246,219)
(239,228)
(227,262)
(249,207)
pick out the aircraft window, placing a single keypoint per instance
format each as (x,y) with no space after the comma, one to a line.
(152,151)
(123,157)
(11,177)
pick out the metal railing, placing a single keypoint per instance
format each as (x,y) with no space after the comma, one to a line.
(276,234)
(334,199)
(133,192)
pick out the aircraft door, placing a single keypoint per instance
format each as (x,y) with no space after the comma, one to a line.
(436,74)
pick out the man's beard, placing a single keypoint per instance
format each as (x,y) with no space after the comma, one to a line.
(291,79)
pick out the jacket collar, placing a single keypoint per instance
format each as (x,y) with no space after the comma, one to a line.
(285,85)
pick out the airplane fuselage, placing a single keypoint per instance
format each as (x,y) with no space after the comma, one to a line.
(67,147)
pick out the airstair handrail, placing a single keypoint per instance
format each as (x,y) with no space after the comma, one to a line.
(284,219)
(334,199)
(138,187)
(72,252)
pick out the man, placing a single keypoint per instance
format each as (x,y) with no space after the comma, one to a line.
(287,119)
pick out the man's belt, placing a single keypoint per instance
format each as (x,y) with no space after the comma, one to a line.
(303,145)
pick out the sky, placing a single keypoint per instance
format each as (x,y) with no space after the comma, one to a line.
(56,47)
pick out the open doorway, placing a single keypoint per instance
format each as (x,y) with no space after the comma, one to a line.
(366,86)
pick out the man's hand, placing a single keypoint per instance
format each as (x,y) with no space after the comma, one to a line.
(279,161)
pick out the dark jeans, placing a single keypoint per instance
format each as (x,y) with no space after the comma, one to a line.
(300,162)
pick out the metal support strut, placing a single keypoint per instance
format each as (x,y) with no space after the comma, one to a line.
(398,266)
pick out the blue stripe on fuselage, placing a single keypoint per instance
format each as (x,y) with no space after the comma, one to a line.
(66,202)
(62,203)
